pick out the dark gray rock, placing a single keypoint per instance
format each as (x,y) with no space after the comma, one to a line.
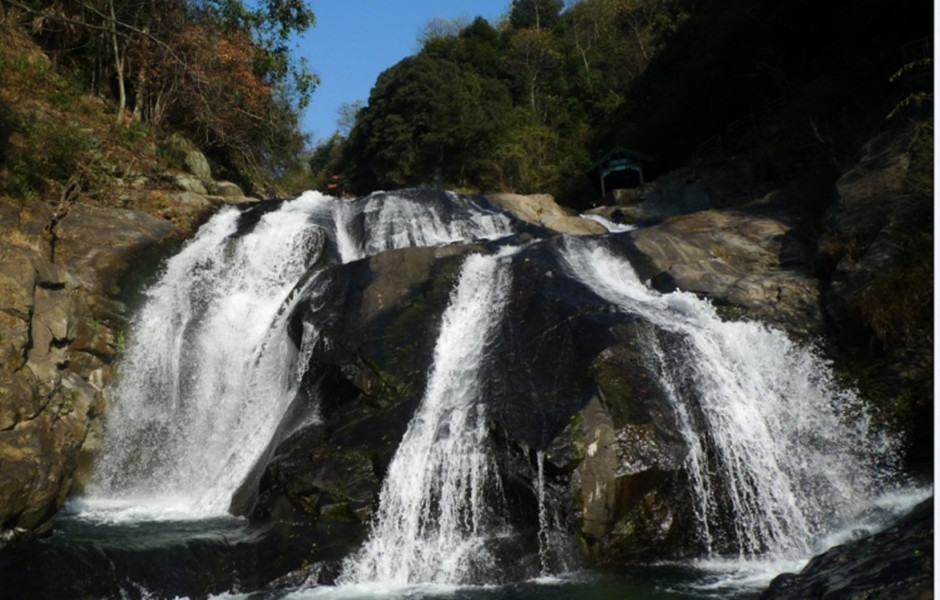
(750,264)
(895,563)
(567,378)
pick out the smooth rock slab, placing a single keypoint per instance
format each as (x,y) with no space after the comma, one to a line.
(96,245)
(896,563)
(733,259)
(542,210)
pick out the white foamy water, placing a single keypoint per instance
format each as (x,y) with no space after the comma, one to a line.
(771,436)
(433,519)
(209,370)
(384,221)
(725,576)
(611,226)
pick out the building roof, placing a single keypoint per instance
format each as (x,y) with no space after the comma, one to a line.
(619,153)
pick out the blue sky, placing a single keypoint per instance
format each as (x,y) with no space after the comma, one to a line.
(355,40)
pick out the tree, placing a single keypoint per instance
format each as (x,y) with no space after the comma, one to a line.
(523,158)
(537,14)
(439,27)
(531,58)
(347,113)
(324,161)
(217,70)
(270,25)
(429,121)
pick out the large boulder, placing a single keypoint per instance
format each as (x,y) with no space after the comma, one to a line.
(894,563)
(567,380)
(542,210)
(750,264)
(60,332)
(96,245)
(379,319)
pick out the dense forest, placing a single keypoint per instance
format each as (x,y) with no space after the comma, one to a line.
(529,103)
(216,71)
(526,104)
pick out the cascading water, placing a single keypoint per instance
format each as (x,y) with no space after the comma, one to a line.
(778,456)
(208,362)
(209,370)
(771,437)
(434,519)
(554,547)
(374,224)
(611,226)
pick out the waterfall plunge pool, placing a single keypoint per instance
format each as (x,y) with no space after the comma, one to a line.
(117,554)
(210,363)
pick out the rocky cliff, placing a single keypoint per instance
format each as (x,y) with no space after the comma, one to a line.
(68,271)
(611,460)
(895,563)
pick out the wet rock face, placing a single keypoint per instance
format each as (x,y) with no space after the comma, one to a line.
(750,264)
(57,349)
(59,335)
(566,377)
(896,563)
(366,376)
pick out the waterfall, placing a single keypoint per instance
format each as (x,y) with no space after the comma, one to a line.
(435,514)
(778,459)
(209,370)
(383,221)
(769,432)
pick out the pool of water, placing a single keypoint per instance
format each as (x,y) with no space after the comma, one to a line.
(195,558)
(106,552)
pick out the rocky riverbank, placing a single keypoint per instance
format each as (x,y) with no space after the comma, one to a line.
(67,274)
(895,563)
(611,468)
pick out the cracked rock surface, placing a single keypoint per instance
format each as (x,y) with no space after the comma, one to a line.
(60,328)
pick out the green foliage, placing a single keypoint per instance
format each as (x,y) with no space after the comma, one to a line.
(530,105)
(218,71)
(271,23)
(537,14)
(513,109)
(324,161)
(429,121)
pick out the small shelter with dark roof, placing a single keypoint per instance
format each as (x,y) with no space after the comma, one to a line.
(618,169)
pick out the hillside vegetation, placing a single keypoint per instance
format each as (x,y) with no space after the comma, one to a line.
(527,104)
(91,89)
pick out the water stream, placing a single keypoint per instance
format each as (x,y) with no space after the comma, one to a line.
(209,360)
(775,446)
(433,521)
